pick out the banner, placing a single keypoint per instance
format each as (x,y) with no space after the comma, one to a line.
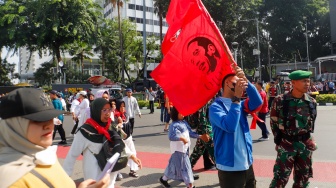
(196,57)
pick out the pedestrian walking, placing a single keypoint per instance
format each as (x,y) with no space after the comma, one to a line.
(179,167)
(232,137)
(89,142)
(59,126)
(131,107)
(262,112)
(200,121)
(292,119)
(151,98)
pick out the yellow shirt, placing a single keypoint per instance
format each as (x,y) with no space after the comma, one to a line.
(54,174)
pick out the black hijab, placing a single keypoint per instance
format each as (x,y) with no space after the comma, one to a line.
(95,109)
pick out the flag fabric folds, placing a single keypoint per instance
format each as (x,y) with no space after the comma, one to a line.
(196,57)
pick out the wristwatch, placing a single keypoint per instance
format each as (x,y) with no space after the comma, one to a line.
(235,99)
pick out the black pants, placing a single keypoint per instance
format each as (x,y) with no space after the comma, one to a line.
(60,130)
(131,120)
(74,128)
(237,179)
(270,100)
(207,162)
(151,106)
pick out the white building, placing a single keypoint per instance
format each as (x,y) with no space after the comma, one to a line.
(133,10)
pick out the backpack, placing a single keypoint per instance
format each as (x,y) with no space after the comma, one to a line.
(109,149)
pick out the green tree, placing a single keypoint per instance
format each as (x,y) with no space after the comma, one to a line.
(120,3)
(161,9)
(80,50)
(51,24)
(106,40)
(287,28)
(45,75)
(5,70)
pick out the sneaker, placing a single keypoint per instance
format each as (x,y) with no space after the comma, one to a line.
(165,130)
(263,139)
(196,177)
(119,177)
(63,142)
(163,182)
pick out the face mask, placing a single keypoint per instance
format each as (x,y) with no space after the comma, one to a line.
(232,88)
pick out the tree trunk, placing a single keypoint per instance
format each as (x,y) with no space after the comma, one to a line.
(121,46)
(103,62)
(81,61)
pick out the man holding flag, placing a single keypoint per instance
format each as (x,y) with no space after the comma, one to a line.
(195,50)
(232,138)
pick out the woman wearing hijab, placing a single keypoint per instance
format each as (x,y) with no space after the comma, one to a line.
(102,94)
(27,157)
(121,118)
(89,141)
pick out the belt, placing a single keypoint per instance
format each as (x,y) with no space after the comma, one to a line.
(297,138)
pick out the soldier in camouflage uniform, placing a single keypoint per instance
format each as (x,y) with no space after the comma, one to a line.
(199,121)
(292,120)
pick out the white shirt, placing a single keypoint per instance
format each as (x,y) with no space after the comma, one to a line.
(131,105)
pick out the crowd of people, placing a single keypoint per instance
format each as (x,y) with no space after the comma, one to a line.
(103,126)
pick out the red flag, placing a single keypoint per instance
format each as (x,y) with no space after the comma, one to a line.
(196,57)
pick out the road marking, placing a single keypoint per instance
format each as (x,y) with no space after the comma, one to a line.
(322,171)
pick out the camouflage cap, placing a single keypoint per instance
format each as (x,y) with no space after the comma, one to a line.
(299,74)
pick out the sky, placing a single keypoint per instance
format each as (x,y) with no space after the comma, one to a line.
(11,58)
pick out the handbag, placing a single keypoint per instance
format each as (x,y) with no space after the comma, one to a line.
(109,149)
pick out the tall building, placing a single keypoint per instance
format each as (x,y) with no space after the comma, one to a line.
(134,11)
(26,69)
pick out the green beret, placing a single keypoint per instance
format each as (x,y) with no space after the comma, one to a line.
(299,74)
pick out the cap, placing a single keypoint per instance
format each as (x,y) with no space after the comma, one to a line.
(128,90)
(83,93)
(53,92)
(299,74)
(29,103)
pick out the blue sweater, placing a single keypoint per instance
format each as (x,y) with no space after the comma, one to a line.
(232,138)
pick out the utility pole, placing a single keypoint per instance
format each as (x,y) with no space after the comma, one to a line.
(257,22)
(308,63)
(144,39)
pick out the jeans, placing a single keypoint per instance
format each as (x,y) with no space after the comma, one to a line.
(167,116)
(262,126)
(162,114)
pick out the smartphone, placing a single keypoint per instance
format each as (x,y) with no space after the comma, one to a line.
(109,166)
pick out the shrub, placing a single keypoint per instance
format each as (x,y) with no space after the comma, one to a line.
(326,98)
(143,103)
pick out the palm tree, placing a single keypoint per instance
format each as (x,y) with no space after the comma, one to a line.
(80,50)
(161,9)
(120,3)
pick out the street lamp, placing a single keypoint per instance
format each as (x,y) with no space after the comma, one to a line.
(308,63)
(235,49)
(256,52)
(63,69)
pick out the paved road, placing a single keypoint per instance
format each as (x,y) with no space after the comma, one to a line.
(153,148)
